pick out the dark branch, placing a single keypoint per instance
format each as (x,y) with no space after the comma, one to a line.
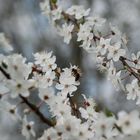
(73,106)
(122,59)
(36,110)
(5,73)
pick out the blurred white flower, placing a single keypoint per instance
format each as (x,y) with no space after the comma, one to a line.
(17,68)
(11,109)
(56,13)
(66,31)
(4,43)
(68,127)
(27,128)
(115,77)
(136,59)
(84,133)
(115,52)
(104,126)
(45,7)
(78,11)
(96,21)
(3,88)
(133,90)
(129,122)
(50,133)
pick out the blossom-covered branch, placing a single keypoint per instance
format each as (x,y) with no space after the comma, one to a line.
(56,86)
(30,105)
(107,46)
(71,122)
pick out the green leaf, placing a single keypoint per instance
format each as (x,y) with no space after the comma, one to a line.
(108,113)
(54,1)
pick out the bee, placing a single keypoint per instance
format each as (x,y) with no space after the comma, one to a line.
(76,72)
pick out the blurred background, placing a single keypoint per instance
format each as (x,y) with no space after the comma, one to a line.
(29,32)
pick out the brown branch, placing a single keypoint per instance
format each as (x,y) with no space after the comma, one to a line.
(73,106)
(30,105)
(5,73)
(125,64)
(118,128)
(36,110)
(68,17)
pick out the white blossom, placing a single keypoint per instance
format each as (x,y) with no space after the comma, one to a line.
(69,127)
(103,45)
(116,34)
(27,128)
(56,13)
(51,134)
(55,87)
(46,94)
(17,68)
(66,32)
(136,59)
(67,83)
(19,87)
(104,126)
(115,77)
(78,11)
(3,88)
(133,90)
(88,112)
(96,21)
(129,122)
(102,65)
(45,7)
(115,52)
(85,35)
(59,106)
(10,109)
(4,43)
(84,133)
(43,81)
(46,60)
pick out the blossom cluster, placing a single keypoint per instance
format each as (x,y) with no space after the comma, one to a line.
(19,78)
(103,41)
(55,86)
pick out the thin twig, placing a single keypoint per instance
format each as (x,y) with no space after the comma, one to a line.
(73,106)
(123,60)
(36,110)
(5,73)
